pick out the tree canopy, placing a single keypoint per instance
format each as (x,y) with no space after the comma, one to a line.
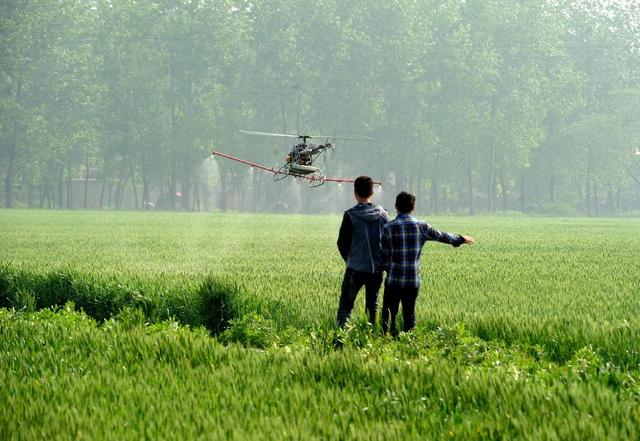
(475,106)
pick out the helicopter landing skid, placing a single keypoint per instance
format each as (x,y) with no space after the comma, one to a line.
(281,173)
(316,179)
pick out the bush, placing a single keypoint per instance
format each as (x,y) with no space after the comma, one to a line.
(251,330)
(212,303)
(219,304)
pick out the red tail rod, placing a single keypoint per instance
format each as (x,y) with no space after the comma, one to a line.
(252,164)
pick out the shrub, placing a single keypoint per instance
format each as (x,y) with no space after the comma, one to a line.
(219,304)
(213,303)
(251,330)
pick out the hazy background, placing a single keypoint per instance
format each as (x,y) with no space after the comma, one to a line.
(476,106)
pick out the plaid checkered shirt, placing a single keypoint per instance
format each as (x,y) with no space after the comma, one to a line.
(402,242)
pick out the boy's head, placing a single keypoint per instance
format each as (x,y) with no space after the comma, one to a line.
(405,202)
(363,186)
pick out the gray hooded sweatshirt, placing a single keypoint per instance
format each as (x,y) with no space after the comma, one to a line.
(359,237)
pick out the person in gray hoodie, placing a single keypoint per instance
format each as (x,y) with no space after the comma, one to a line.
(359,245)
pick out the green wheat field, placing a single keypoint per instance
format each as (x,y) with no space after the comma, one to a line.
(154,325)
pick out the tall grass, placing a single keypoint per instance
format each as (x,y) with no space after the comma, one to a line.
(164,325)
(559,283)
(63,376)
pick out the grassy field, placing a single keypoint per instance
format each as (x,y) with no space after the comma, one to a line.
(165,325)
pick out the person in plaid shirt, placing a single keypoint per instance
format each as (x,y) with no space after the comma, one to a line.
(402,242)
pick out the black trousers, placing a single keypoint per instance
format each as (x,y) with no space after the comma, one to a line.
(351,284)
(393,296)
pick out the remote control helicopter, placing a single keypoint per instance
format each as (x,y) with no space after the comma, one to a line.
(299,162)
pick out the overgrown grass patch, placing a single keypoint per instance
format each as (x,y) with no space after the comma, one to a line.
(210,302)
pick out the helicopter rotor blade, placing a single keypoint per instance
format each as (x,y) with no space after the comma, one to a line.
(280,135)
(343,138)
(349,138)
(287,135)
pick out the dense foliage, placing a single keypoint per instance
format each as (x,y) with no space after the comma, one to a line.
(474,105)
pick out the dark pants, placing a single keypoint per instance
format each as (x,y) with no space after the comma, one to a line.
(393,296)
(351,284)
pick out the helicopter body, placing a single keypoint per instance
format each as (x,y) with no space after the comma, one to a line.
(298,162)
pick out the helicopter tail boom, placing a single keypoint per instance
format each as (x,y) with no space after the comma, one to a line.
(252,164)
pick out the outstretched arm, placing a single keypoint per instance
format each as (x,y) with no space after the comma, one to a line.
(442,236)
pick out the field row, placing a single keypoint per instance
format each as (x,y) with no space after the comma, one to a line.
(559,283)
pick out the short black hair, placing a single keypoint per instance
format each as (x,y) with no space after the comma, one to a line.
(405,202)
(363,186)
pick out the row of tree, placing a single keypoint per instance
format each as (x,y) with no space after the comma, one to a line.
(474,105)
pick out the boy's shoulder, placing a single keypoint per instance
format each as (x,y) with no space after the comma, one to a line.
(396,222)
(368,211)
(405,220)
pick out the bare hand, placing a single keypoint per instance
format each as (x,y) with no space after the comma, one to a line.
(469,240)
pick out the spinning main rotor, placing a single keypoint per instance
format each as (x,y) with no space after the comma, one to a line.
(305,137)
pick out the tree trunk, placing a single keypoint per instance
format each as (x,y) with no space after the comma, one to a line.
(491,187)
(13,147)
(118,193)
(196,196)
(162,198)
(596,202)
(503,191)
(49,197)
(135,190)
(223,190)
(8,179)
(51,202)
(43,186)
(141,144)
(30,196)
(522,190)
(434,183)
(551,123)
(552,185)
(109,194)
(470,186)
(588,185)
(174,137)
(61,189)
(419,180)
(610,207)
(254,178)
(104,184)
(86,183)
(173,187)
(434,195)
(145,186)
(69,192)
(187,187)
